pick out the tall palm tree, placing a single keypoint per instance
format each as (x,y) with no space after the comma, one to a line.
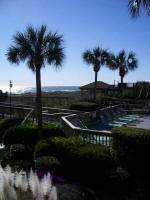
(96,57)
(136,5)
(37,48)
(124,63)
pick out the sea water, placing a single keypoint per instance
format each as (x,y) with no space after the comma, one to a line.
(24,89)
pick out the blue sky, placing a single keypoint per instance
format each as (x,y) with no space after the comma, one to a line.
(84,24)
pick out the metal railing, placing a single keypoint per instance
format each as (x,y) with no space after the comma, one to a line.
(27,112)
(91,136)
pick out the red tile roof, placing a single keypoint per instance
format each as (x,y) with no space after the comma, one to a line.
(100,85)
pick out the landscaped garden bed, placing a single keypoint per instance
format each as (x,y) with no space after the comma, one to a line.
(79,170)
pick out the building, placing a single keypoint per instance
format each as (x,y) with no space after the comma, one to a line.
(101,86)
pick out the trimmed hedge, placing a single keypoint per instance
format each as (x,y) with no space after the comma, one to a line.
(91,161)
(84,106)
(57,146)
(48,163)
(7,123)
(51,130)
(27,134)
(81,159)
(19,152)
(42,148)
(131,148)
(22,134)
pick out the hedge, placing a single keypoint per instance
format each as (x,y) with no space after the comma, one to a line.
(20,151)
(7,123)
(84,106)
(57,146)
(48,163)
(81,159)
(23,134)
(52,130)
(42,148)
(131,149)
(27,134)
(91,161)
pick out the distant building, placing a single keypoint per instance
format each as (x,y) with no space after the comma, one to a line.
(101,86)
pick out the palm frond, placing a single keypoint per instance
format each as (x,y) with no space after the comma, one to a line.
(132,61)
(136,5)
(112,62)
(88,57)
(55,56)
(13,55)
(30,63)
(31,35)
(36,48)
(54,51)
(97,57)
(41,34)
(22,44)
(97,52)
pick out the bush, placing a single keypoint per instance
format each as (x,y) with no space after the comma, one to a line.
(129,94)
(84,106)
(3,96)
(7,123)
(131,148)
(19,151)
(52,130)
(20,165)
(27,134)
(4,157)
(92,160)
(77,157)
(22,134)
(121,183)
(56,146)
(48,163)
(42,148)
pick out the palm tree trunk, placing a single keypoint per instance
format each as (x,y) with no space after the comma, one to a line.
(38,99)
(121,80)
(95,86)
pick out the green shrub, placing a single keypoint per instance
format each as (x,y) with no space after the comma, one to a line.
(131,148)
(27,134)
(4,157)
(62,146)
(77,157)
(121,182)
(48,163)
(56,146)
(3,96)
(20,165)
(7,123)
(92,160)
(52,130)
(42,148)
(19,151)
(22,134)
(84,106)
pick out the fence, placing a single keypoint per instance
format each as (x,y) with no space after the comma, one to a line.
(76,125)
(27,112)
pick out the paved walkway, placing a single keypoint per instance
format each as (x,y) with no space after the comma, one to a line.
(144,122)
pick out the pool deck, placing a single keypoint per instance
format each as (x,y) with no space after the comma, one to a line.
(144,122)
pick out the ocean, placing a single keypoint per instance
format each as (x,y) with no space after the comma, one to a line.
(24,89)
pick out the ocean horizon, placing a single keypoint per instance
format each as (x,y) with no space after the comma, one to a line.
(25,89)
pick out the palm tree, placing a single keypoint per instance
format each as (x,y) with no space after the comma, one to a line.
(96,57)
(136,5)
(124,63)
(37,47)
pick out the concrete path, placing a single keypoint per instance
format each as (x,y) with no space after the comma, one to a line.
(144,122)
